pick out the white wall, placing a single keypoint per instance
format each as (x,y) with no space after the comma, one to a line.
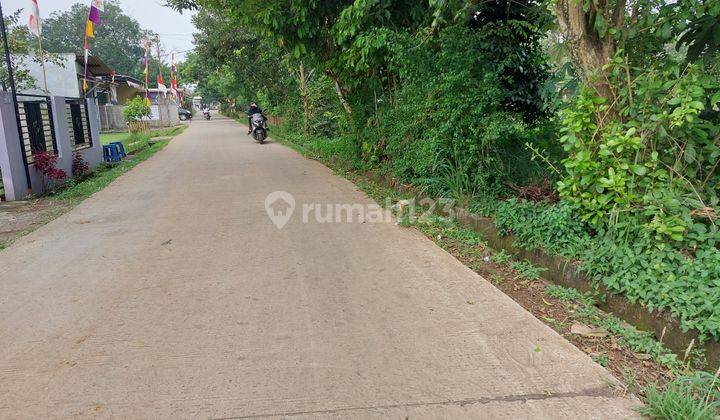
(62,77)
(92,155)
(11,150)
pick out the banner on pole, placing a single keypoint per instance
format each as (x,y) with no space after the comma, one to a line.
(161,84)
(34,24)
(160,81)
(94,15)
(89,29)
(93,19)
(87,55)
(173,78)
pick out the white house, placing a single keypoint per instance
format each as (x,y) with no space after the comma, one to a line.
(64,73)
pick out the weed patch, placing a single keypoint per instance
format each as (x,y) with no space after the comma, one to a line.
(694,397)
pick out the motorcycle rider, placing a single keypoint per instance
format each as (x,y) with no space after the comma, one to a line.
(206,110)
(253,109)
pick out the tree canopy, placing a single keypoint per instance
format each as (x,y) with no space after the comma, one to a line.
(19,45)
(119,40)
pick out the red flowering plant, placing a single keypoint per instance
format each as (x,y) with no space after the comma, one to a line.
(52,176)
(79,166)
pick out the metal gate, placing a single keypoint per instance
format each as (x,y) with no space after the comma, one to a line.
(2,187)
(78,123)
(36,121)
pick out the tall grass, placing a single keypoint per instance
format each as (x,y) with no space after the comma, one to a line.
(695,397)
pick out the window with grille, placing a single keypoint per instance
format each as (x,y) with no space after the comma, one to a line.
(78,123)
(37,127)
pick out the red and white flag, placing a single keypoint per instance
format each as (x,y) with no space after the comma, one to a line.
(34,24)
(161,85)
(173,78)
(174,88)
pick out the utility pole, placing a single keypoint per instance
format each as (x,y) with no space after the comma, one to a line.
(13,92)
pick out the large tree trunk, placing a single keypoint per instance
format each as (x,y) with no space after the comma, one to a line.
(305,95)
(588,50)
(350,116)
(341,96)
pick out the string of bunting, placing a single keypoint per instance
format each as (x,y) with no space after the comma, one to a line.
(93,20)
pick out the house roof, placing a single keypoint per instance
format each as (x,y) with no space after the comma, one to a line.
(122,79)
(96,66)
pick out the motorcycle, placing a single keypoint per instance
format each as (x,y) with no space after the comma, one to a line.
(259,132)
(206,114)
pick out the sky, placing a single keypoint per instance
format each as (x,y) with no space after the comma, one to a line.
(175,29)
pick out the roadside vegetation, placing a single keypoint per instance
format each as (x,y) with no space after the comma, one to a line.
(589,129)
(135,142)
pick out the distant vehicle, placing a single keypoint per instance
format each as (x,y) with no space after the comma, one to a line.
(259,132)
(184,114)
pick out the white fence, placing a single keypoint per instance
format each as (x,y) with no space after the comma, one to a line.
(55,132)
(163,115)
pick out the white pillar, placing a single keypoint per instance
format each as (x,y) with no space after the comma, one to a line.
(93,155)
(11,151)
(62,134)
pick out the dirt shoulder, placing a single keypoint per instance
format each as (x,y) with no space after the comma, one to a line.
(18,218)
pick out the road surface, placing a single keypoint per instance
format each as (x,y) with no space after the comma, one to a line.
(171,294)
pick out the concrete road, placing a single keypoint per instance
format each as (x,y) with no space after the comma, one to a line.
(171,294)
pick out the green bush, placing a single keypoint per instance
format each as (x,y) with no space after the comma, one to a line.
(450,130)
(136,109)
(687,286)
(650,158)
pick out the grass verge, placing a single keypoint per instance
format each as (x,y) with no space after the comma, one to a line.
(134,142)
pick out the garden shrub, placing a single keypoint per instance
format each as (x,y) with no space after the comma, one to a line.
(136,109)
(79,166)
(687,286)
(537,225)
(53,177)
